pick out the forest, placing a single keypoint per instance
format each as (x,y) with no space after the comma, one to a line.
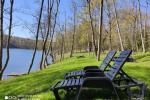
(23,43)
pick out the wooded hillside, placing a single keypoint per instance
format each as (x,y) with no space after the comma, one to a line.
(23,43)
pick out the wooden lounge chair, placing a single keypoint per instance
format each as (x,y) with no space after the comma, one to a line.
(102,67)
(123,83)
(89,78)
(126,83)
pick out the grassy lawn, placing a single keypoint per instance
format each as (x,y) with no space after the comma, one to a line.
(38,83)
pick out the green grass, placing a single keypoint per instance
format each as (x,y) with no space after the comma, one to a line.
(38,84)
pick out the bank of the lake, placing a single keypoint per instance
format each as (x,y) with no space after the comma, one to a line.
(38,84)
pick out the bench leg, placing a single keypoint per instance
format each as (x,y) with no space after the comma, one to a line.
(56,94)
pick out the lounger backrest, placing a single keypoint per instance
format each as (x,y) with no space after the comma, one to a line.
(107,60)
(118,63)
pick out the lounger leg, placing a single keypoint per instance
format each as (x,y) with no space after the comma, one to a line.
(118,98)
(129,93)
(78,94)
(143,88)
(56,95)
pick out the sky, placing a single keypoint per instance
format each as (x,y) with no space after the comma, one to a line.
(23,9)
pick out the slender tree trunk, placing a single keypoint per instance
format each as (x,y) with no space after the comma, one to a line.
(46,61)
(92,27)
(145,28)
(110,25)
(37,35)
(49,11)
(100,29)
(1,36)
(62,47)
(136,31)
(133,28)
(50,47)
(74,30)
(118,27)
(141,29)
(9,36)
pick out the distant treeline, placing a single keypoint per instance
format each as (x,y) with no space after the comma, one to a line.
(24,43)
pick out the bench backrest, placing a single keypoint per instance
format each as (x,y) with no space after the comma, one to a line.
(118,63)
(107,60)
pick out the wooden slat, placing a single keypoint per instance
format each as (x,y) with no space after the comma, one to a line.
(81,81)
(73,82)
(65,82)
(69,82)
(77,73)
(62,82)
(77,82)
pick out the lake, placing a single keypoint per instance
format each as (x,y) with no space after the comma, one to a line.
(20,60)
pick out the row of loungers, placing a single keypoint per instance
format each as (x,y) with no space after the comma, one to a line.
(104,81)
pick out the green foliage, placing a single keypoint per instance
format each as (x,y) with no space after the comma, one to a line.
(39,83)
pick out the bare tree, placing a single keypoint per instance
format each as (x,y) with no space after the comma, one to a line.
(37,35)
(110,24)
(1,36)
(9,37)
(100,29)
(118,27)
(145,27)
(141,27)
(52,31)
(92,27)
(49,11)
(62,46)
(62,43)
(74,27)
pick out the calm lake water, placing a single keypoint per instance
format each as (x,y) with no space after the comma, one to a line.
(20,60)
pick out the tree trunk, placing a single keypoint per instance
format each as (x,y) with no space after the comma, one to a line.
(92,27)
(62,47)
(1,36)
(110,25)
(9,36)
(49,11)
(141,29)
(37,35)
(50,47)
(118,27)
(74,30)
(100,29)
(145,28)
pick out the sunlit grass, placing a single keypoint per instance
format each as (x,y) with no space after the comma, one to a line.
(38,83)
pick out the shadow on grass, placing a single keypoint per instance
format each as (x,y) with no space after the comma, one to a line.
(94,95)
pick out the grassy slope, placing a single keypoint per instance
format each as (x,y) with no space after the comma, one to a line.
(38,83)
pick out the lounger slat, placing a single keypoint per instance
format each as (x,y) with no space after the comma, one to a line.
(73,82)
(66,81)
(69,83)
(77,81)
(62,82)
